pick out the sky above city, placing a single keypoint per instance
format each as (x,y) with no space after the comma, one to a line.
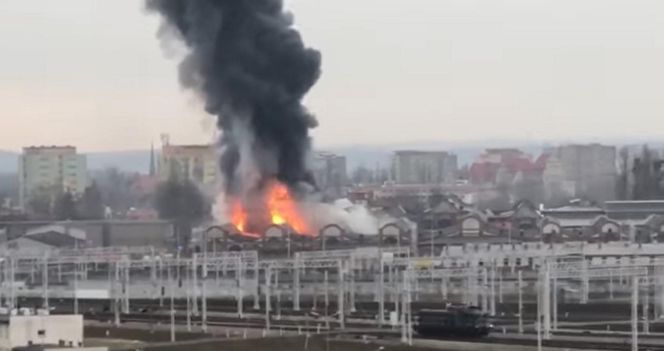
(91,73)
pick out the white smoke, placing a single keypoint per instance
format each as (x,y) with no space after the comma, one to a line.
(220,211)
(357,219)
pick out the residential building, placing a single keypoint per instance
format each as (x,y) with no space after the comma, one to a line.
(52,168)
(330,173)
(424,167)
(198,163)
(585,170)
(502,165)
(502,155)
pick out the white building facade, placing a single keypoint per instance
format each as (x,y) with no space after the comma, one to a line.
(51,168)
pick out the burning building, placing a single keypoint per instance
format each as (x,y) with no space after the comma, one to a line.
(252,69)
(272,204)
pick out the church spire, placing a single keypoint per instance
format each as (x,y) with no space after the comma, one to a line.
(152,161)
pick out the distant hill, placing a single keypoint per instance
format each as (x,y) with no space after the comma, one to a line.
(356,155)
(8,162)
(128,161)
(371,156)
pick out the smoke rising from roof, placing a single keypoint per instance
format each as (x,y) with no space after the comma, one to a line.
(252,69)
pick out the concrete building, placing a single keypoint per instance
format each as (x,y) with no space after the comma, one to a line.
(502,165)
(634,209)
(51,168)
(198,163)
(41,330)
(96,233)
(330,173)
(501,155)
(424,167)
(40,240)
(584,170)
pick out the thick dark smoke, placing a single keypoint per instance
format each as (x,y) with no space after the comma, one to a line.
(252,69)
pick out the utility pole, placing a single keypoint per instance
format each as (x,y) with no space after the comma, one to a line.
(635,313)
(585,283)
(257,282)
(555,302)
(116,294)
(268,278)
(126,286)
(45,283)
(12,273)
(204,294)
(75,288)
(172,293)
(492,301)
(485,290)
(296,284)
(160,273)
(519,285)
(153,276)
(538,324)
(240,300)
(646,312)
(188,289)
(194,283)
(351,283)
(500,286)
(404,323)
(327,298)
(546,299)
(381,292)
(340,295)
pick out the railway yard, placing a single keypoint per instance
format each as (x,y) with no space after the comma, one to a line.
(562,296)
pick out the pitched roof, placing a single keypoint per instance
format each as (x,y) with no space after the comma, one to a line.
(56,239)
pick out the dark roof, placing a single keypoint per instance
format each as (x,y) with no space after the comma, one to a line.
(445,206)
(56,239)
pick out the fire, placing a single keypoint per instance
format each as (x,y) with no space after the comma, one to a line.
(283,209)
(239,216)
(278,207)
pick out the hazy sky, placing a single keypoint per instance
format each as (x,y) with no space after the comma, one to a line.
(91,72)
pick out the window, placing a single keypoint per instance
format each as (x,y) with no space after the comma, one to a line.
(41,333)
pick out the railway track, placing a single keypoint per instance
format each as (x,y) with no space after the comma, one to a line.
(361,331)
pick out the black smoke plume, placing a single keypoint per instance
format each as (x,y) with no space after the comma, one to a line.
(252,70)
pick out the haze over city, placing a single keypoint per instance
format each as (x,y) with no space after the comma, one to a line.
(393,72)
(331,175)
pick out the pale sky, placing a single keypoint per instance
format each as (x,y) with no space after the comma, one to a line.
(91,73)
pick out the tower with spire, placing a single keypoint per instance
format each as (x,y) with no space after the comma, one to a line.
(152,161)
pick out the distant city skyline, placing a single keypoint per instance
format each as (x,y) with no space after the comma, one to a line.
(92,74)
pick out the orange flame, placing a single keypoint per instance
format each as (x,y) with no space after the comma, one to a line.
(239,216)
(283,209)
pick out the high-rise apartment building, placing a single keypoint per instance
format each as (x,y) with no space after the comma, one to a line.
(588,170)
(329,171)
(52,169)
(424,167)
(197,163)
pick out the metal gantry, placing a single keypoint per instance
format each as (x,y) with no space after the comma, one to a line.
(392,275)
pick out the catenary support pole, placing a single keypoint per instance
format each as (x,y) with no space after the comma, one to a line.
(635,312)
(171,285)
(45,283)
(340,295)
(296,285)
(268,297)
(519,287)
(381,291)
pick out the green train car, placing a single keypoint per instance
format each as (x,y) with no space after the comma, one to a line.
(453,321)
